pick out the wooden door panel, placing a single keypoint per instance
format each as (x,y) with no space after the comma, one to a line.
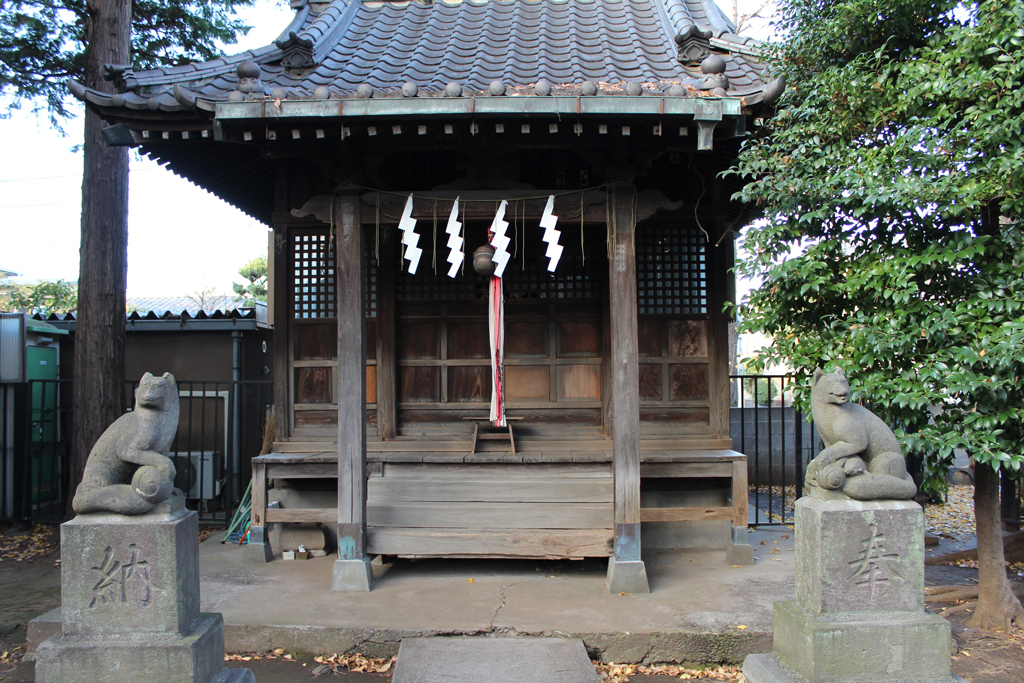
(316,341)
(689,382)
(419,341)
(579,339)
(467,341)
(469,384)
(688,338)
(419,385)
(527,382)
(579,382)
(313,385)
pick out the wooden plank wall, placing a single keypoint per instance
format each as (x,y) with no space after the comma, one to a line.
(491,510)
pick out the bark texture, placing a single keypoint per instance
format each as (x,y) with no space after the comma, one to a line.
(997,605)
(103,257)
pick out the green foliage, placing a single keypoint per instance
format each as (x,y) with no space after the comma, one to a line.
(42,43)
(892,185)
(43,297)
(255,271)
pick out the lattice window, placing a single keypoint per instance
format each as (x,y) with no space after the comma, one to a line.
(671,272)
(313,275)
(574,280)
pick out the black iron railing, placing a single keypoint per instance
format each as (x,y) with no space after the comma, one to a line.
(220,430)
(35,423)
(778,441)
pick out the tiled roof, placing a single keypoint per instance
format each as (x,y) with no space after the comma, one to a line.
(177,305)
(467,44)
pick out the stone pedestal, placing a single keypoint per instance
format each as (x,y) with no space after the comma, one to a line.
(859,609)
(130,604)
(626,576)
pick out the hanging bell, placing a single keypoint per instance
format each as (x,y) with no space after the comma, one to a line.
(482,260)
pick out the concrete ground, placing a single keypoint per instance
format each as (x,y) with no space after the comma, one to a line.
(700,610)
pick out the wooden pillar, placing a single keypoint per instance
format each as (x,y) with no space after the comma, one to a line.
(626,571)
(721,288)
(258,548)
(387,425)
(352,568)
(284,281)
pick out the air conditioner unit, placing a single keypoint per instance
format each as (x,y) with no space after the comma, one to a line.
(196,475)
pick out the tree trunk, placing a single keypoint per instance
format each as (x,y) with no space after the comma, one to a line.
(103,257)
(997,605)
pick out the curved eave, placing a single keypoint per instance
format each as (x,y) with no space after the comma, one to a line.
(555,106)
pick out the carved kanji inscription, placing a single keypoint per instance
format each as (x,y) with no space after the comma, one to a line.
(121,582)
(874,568)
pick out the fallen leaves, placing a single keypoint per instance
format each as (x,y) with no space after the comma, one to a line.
(355,663)
(621,673)
(12,656)
(38,543)
(954,517)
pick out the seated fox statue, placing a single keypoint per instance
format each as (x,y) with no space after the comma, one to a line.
(862,458)
(128,470)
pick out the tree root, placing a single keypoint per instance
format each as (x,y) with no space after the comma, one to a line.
(959,608)
(1013,551)
(955,593)
(967,593)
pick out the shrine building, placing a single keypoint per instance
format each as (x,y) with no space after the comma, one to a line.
(501,249)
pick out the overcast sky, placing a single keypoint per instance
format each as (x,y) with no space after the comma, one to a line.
(181,239)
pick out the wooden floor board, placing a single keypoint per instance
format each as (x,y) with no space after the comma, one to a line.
(513,543)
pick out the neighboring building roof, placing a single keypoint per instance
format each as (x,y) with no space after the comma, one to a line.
(160,305)
(234,319)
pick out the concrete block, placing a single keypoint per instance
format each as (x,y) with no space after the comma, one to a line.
(352,575)
(627,576)
(258,553)
(122,574)
(495,660)
(770,669)
(739,553)
(195,657)
(309,537)
(859,557)
(884,647)
(39,629)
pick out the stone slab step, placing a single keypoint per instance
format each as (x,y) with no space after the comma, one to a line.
(493,660)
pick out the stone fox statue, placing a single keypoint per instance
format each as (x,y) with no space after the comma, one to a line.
(862,458)
(128,470)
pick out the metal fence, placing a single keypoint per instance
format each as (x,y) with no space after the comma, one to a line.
(36,424)
(219,431)
(778,441)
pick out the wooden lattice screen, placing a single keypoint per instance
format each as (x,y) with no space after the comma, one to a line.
(671,271)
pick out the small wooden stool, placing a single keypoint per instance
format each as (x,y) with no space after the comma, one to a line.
(485,422)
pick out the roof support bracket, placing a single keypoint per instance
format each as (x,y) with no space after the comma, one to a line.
(706,135)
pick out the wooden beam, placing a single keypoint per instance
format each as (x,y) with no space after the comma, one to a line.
(685,514)
(351,378)
(625,374)
(387,423)
(324,515)
(515,543)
